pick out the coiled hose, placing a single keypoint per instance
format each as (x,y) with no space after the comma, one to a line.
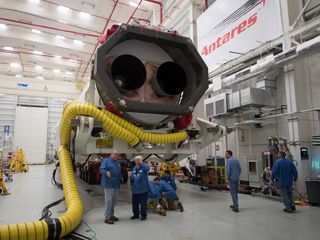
(55,228)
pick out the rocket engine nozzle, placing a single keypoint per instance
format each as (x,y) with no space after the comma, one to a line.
(170,80)
(128,72)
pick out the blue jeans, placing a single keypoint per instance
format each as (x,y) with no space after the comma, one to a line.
(287,197)
(234,189)
(142,200)
(110,198)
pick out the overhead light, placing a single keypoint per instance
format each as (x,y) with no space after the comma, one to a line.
(88,4)
(39,67)
(63,9)
(18,76)
(60,37)
(133,4)
(62,21)
(57,56)
(36,31)
(14,65)
(69,73)
(3,26)
(8,48)
(56,70)
(84,15)
(37,52)
(34,1)
(73,60)
(40,78)
(78,42)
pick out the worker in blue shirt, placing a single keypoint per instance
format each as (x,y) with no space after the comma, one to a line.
(169,179)
(140,188)
(286,172)
(110,180)
(233,176)
(154,197)
(168,195)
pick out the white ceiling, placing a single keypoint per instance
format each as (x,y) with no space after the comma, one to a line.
(63,48)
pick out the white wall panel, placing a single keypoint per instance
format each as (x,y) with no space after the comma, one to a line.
(31,132)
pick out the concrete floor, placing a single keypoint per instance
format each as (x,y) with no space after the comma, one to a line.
(206,216)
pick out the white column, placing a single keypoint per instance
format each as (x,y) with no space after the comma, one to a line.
(289,78)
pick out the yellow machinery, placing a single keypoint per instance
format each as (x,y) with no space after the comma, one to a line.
(3,188)
(172,167)
(19,162)
(221,171)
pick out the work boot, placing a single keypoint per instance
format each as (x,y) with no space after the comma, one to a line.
(114,218)
(287,210)
(231,206)
(293,208)
(162,212)
(143,218)
(180,207)
(163,204)
(109,221)
(235,210)
(134,217)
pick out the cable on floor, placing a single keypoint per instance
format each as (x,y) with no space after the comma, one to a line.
(46,213)
(53,179)
(78,236)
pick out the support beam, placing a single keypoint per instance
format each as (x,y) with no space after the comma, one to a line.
(289,78)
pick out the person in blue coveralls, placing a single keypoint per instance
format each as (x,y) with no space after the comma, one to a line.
(286,173)
(233,176)
(154,197)
(110,181)
(167,177)
(140,188)
(168,196)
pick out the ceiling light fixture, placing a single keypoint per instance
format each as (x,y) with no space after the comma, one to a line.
(84,15)
(37,52)
(34,1)
(18,76)
(78,42)
(56,70)
(60,37)
(40,78)
(62,21)
(39,67)
(57,56)
(3,26)
(36,31)
(63,9)
(8,48)
(14,65)
(133,4)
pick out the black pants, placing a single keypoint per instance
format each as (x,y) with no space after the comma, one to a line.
(142,200)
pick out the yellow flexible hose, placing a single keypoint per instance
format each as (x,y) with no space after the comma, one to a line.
(118,128)
(146,136)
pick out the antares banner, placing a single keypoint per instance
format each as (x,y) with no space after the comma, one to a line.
(229,28)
